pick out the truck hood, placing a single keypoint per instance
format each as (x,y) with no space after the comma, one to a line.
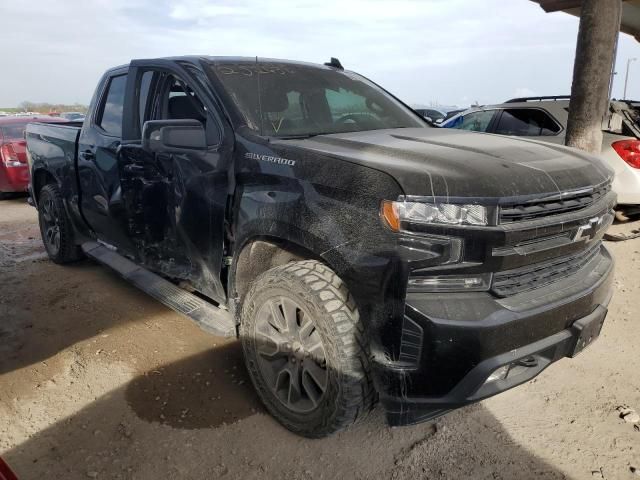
(454,163)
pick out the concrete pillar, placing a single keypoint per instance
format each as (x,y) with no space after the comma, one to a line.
(599,27)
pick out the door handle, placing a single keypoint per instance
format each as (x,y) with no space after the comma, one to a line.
(88,155)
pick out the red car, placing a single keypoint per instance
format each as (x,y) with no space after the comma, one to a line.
(14,172)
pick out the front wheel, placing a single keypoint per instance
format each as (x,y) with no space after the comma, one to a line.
(55,226)
(304,349)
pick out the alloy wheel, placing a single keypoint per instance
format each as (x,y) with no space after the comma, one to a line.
(291,355)
(50,225)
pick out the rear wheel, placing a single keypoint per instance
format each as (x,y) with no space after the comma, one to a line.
(304,350)
(55,227)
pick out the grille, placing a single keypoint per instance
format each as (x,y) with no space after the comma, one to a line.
(411,342)
(521,280)
(543,208)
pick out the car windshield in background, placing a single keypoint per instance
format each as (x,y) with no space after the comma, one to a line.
(299,100)
(13,132)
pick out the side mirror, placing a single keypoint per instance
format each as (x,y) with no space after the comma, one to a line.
(178,136)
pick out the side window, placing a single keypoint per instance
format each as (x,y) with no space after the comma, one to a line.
(144,103)
(526,122)
(180,102)
(476,121)
(110,117)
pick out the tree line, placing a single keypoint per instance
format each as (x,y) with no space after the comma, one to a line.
(44,107)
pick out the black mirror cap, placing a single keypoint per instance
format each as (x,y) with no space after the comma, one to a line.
(173,136)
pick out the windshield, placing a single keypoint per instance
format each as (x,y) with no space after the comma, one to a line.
(300,100)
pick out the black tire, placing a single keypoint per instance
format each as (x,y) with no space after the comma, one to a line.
(55,227)
(322,299)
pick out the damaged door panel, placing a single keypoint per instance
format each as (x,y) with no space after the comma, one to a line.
(175,186)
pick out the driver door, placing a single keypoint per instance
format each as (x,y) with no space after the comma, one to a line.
(175,197)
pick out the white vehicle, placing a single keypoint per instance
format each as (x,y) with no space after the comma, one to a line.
(545,118)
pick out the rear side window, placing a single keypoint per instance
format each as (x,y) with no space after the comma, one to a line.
(110,118)
(526,122)
(475,121)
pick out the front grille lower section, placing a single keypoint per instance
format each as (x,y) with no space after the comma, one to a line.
(529,278)
(411,342)
(569,202)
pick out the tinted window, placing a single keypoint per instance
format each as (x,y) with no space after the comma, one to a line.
(474,121)
(111,118)
(281,99)
(526,122)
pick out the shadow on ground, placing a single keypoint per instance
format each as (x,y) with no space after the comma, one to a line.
(203,391)
(178,422)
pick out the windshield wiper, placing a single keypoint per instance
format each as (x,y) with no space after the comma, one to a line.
(303,135)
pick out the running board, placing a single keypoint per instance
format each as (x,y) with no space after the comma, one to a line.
(209,317)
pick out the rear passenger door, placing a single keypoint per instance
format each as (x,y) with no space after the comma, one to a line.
(100,192)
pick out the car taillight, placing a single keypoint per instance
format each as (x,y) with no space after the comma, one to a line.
(629,151)
(9,156)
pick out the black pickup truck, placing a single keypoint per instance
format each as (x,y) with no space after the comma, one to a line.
(359,254)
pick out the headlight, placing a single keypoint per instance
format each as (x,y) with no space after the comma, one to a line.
(394,213)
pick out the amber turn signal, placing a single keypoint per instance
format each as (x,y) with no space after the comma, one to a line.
(389,212)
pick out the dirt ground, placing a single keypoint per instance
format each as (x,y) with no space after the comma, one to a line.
(98,380)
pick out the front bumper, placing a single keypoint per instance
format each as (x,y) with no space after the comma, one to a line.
(451,343)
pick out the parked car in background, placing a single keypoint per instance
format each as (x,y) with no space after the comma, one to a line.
(73,116)
(438,115)
(14,172)
(452,113)
(431,114)
(545,119)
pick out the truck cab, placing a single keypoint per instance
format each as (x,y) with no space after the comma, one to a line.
(359,254)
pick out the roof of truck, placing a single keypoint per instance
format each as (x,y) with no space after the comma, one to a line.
(228,59)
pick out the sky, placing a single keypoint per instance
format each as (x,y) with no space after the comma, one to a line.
(448,52)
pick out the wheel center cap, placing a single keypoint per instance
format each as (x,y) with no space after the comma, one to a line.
(297,347)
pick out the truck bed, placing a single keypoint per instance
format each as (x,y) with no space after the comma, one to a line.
(56,144)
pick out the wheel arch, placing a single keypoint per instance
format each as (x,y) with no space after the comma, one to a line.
(260,253)
(39,178)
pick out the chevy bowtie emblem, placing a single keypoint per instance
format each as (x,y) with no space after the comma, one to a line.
(589,231)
